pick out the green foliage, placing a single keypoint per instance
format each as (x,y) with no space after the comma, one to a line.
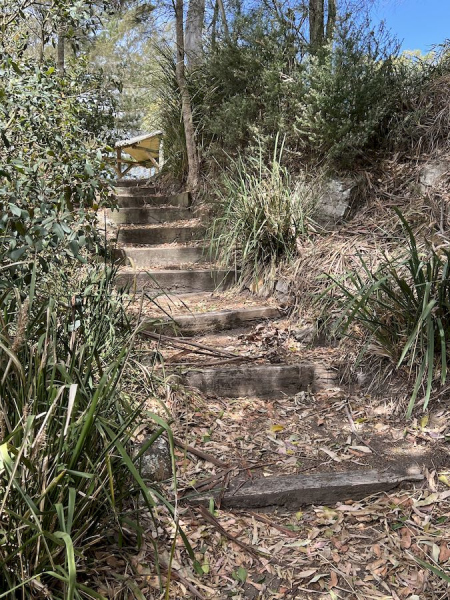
(262,213)
(352,89)
(169,116)
(405,307)
(53,131)
(66,472)
(334,106)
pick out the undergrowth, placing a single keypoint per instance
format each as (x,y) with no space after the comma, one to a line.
(262,213)
(404,306)
(67,471)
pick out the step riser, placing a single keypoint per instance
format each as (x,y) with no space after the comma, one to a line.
(291,492)
(156,236)
(189,325)
(160,257)
(148,216)
(177,282)
(137,200)
(262,382)
(133,183)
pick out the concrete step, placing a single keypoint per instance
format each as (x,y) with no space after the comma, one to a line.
(177,281)
(142,197)
(157,236)
(149,216)
(165,256)
(261,381)
(212,321)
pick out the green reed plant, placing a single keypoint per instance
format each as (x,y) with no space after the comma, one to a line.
(66,470)
(404,305)
(262,212)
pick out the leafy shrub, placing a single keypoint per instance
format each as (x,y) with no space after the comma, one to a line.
(53,131)
(405,307)
(65,425)
(352,89)
(261,214)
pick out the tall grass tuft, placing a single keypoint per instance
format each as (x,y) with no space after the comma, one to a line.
(65,427)
(262,212)
(405,307)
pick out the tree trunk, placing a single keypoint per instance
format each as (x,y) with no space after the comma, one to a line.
(214,24)
(193,162)
(226,30)
(316,23)
(331,19)
(60,52)
(194,31)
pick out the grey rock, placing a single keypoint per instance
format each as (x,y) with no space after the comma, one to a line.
(334,202)
(155,464)
(433,173)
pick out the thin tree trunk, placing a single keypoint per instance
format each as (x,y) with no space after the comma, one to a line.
(316,23)
(191,148)
(194,30)
(214,24)
(60,52)
(226,29)
(331,19)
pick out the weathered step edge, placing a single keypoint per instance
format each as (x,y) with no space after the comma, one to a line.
(177,280)
(260,381)
(141,197)
(292,492)
(211,321)
(154,256)
(159,235)
(149,216)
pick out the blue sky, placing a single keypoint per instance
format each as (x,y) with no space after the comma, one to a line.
(419,23)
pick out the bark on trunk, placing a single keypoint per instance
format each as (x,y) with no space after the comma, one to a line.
(193,162)
(331,19)
(214,24)
(60,52)
(316,23)
(194,31)
(226,30)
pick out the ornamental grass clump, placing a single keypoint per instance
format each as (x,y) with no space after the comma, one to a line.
(262,212)
(66,473)
(404,305)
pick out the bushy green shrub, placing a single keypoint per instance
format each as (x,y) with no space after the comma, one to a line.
(352,89)
(52,171)
(405,307)
(262,212)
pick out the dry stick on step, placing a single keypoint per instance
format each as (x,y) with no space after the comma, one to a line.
(178,343)
(353,428)
(216,363)
(206,484)
(213,521)
(204,455)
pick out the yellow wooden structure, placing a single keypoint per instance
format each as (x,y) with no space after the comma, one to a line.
(145,151)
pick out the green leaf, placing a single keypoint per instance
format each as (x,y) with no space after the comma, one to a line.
(240,574)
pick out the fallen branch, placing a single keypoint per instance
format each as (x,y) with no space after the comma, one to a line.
(178,343)
(285,530)
(204,455)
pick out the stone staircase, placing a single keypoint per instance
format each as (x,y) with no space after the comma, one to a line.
(163,249)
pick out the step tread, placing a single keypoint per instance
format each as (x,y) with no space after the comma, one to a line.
(212,321)
(294,491)
(179,224)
